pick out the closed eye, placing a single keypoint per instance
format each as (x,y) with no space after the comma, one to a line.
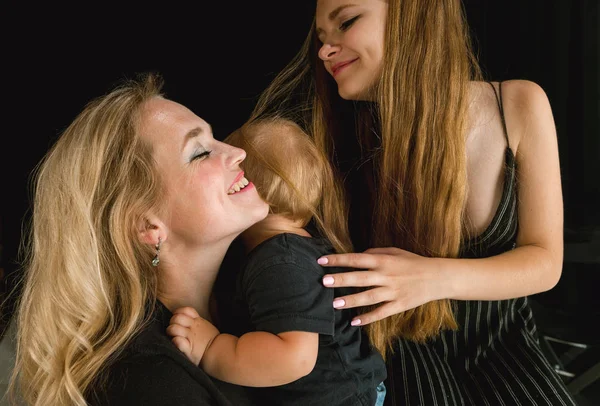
(348,23)
(201,155)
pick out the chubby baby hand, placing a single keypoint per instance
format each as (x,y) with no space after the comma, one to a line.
(191,334)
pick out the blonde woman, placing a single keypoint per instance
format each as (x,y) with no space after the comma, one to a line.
(293,348)
(456,202)
(133,212)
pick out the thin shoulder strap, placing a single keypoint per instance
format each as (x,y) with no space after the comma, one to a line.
(498,94)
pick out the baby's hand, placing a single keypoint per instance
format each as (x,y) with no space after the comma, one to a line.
(191,333)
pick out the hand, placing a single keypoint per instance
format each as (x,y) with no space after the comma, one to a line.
(399,280)
(191,334)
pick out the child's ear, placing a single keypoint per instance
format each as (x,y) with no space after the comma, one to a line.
(150,230)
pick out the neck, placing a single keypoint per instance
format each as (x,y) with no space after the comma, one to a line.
(271,226)
(187,276)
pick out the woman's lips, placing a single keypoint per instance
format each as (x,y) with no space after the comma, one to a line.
(337,68)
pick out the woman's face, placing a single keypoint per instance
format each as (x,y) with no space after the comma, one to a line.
(352,35)
(207,199)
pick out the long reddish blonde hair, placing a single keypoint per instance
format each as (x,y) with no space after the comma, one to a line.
(412,139)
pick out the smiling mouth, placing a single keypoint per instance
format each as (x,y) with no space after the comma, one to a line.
(239,185)
(341,66)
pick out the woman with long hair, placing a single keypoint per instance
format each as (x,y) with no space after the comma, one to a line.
(133,212)
(456,202)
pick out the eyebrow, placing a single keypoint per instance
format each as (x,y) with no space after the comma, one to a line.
(334,14)
(194,132)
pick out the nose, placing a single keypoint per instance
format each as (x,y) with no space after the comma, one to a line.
(233,156)
(328,51)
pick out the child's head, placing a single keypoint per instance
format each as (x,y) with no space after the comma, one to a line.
(285,165)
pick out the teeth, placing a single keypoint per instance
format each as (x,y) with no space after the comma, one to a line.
(237,186)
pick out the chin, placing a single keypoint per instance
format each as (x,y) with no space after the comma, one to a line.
(262,213)
(358,95)
(355,93)
(347,95)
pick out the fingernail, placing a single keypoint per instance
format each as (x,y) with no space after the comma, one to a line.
(322,261)
(355,322)
(339,302)
(328,280)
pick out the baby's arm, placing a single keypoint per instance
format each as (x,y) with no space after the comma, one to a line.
(255,359)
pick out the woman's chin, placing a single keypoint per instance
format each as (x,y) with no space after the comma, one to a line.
(348,93)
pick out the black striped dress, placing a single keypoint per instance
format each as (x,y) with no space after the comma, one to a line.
(494,358)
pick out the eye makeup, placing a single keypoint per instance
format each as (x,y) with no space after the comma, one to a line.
(200,155)
(348,23)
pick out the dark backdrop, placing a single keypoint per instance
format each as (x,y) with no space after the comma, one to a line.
(217,58)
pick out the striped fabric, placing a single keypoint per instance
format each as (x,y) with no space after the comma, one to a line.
(494,358)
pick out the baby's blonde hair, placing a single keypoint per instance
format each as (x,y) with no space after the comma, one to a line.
(293,175)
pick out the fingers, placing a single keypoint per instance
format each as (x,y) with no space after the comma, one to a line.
(367,298)
(183,345)
(180,324)
(177,330)
(381,312)
(182,319)
(351,260)
(188,311)
(353,278)
(384,251)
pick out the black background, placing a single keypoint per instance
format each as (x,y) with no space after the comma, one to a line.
(217,57)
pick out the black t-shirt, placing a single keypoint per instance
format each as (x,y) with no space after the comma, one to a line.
(279,289)
(151,371)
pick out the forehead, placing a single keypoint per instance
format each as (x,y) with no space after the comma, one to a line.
(163,116)
(327,6)
(328,10)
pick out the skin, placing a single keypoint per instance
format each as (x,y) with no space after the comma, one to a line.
(200,219)
(402,280)
(352,38)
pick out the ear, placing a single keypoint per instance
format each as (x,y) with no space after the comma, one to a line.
(150,229)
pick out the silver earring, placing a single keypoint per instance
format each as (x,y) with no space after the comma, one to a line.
(156,259)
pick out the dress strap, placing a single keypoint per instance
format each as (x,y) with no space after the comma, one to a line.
(498,94)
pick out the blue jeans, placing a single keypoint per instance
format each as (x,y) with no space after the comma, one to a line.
(380,394)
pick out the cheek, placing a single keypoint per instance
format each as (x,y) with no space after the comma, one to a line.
(206,187)
(355,41)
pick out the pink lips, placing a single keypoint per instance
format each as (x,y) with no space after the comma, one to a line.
(236,180)
(335,69)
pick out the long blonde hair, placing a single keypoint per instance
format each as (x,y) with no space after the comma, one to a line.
(412,140)
(294,176)
(88,280)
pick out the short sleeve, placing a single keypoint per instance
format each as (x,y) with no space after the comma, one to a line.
(288,297)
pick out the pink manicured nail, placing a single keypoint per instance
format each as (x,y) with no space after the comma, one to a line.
(322,261)
(355,322)
(328,280)
(338,302)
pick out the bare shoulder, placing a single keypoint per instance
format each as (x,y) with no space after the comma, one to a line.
(527,110)
(524,96)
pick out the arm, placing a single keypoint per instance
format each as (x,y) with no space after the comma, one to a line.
(255,359)
(404,280)
(261,358)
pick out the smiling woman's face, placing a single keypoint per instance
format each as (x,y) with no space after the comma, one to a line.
(207,199)
(352,36)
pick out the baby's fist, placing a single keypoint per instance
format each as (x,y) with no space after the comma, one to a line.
(191,333)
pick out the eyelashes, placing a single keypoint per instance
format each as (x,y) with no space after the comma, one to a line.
(348,23)
(201,155)
(343,27)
